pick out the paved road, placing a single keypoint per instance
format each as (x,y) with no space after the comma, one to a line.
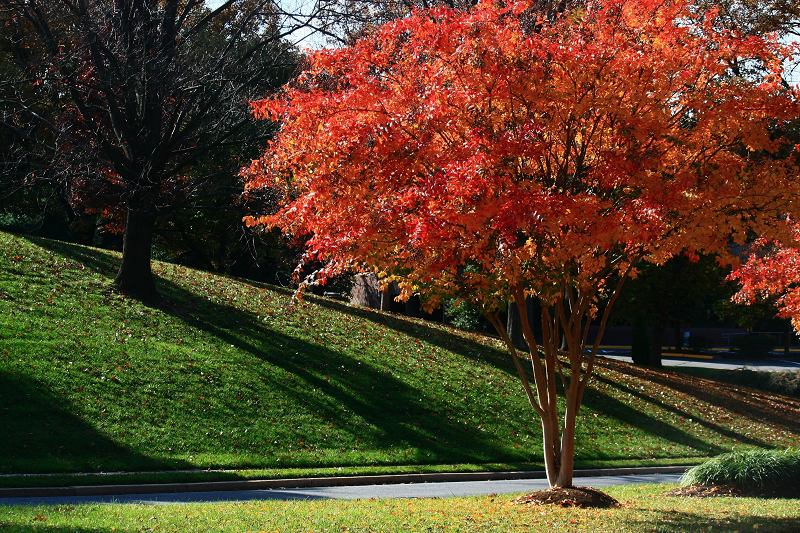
(770,365)
(406,490)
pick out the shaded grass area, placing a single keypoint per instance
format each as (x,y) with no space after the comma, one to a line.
(644,508)
(231,374)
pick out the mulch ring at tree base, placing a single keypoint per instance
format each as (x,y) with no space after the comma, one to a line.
(703,491)
(569,497)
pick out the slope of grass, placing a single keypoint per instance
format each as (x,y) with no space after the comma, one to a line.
(644,508)
(784,382)
(233,374)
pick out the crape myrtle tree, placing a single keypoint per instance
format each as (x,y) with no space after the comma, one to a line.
(145,89)
(464,154)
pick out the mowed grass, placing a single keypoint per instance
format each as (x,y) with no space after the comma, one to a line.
(644,508)
(231,374)
(785,382)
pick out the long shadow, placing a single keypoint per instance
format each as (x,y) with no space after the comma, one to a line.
(415,328)
(107,265)
(681,413)
(746,402)
(399,413)
(31,415)
(614,408)
(396,413)
(680,522)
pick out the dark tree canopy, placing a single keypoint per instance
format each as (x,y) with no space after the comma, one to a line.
(145,90)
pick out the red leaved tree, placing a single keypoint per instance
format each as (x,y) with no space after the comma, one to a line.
(480,155)
(773,271)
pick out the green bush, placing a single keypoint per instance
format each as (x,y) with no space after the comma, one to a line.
(753,345)
(463,315)
(761,472)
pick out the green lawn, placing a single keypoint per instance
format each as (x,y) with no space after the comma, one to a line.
(231,374)
(644,508)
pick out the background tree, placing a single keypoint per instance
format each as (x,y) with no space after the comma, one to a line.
(757,17)
(668,297)
(773,273)
(149,87)
(463,155)
(344,21)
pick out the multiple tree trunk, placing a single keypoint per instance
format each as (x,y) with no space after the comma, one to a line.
(560,358)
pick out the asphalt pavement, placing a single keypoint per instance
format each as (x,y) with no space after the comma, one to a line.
(402,490)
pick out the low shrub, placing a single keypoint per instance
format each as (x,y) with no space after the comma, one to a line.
(787,382)
(463,315)
(752,472)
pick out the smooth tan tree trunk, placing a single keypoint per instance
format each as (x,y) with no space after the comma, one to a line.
(562,345)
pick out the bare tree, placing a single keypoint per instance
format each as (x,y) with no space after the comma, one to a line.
(145,88)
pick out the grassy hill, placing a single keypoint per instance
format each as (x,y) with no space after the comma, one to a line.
(232,374)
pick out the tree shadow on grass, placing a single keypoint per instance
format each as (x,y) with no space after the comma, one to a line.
(748,403)
(330,384)
(459,343)
(41,433)
(610,406)
(393,413)
(683,414)
(681,522)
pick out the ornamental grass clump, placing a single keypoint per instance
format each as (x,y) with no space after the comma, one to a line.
(752,472)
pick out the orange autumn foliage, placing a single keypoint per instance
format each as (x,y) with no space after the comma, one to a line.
(449,139)
(493,156)
(773,271)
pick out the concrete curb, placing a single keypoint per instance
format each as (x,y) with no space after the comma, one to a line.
(297,483)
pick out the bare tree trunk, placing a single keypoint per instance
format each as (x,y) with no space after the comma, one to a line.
(513,327)
(550,451)
(656,340)
(135,277)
